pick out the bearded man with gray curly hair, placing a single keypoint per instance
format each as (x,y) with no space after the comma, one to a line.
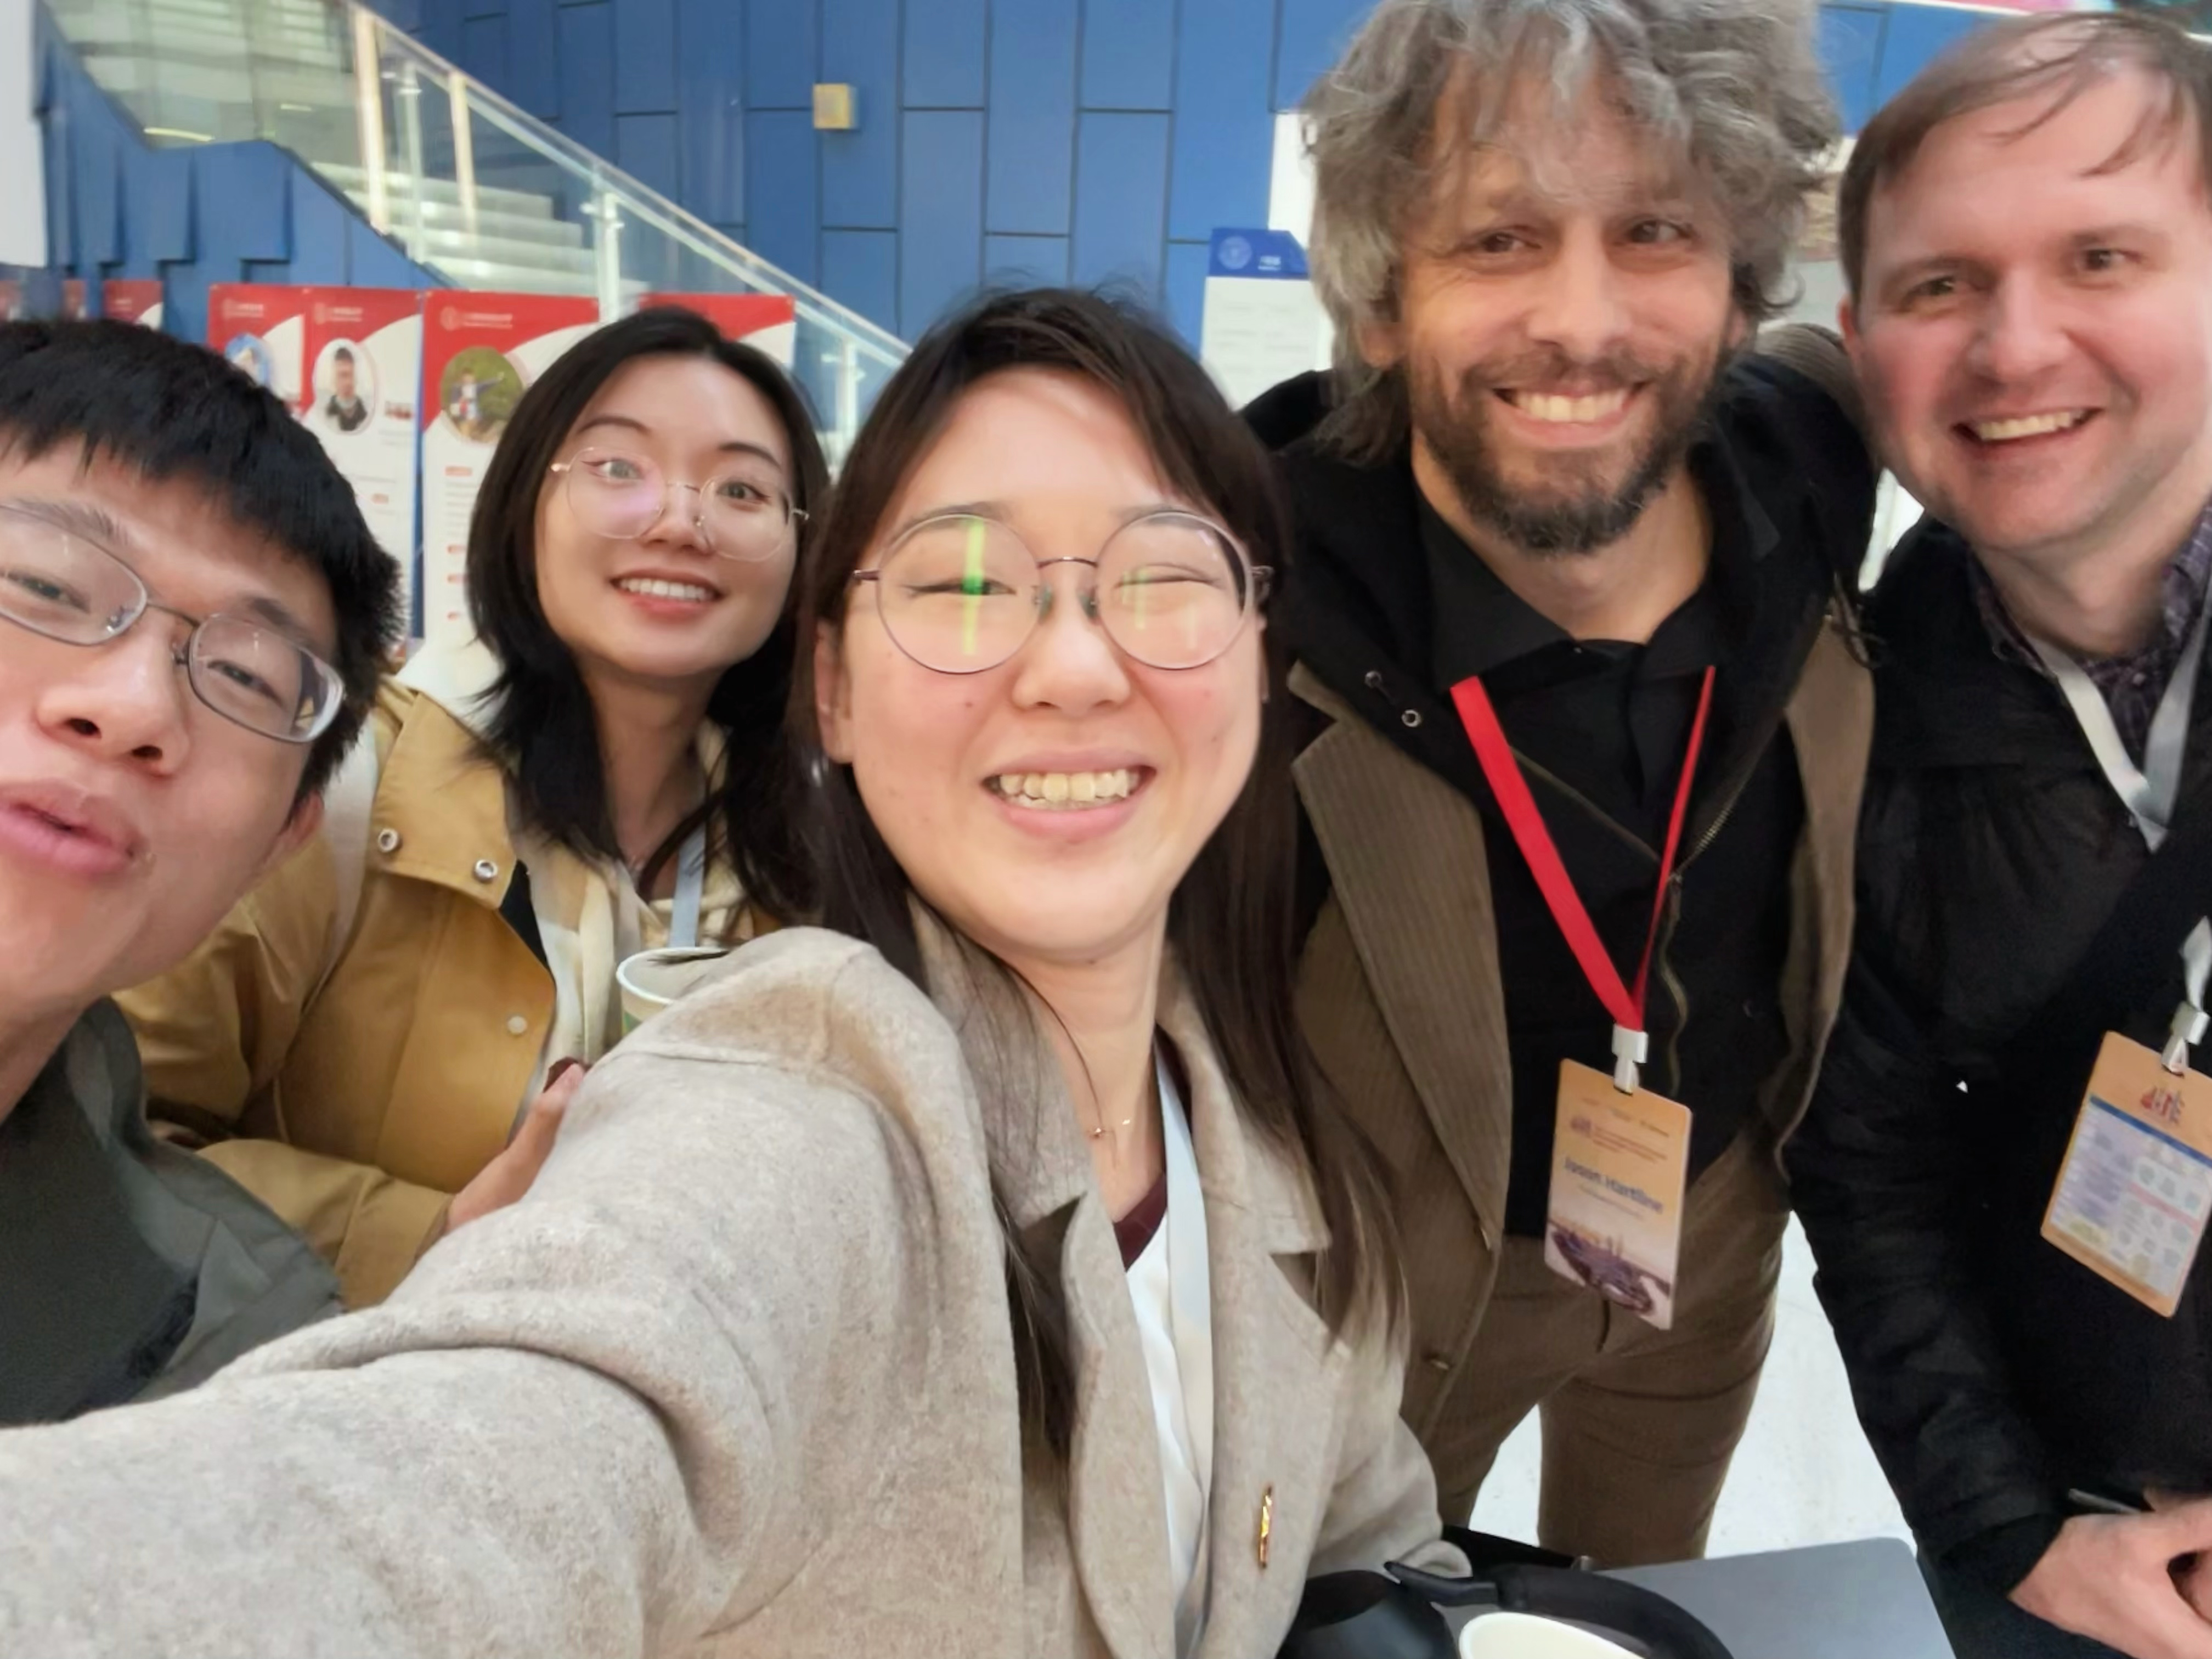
(1571,609)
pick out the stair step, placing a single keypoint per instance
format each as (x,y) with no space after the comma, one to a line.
(399,186)
(441,247)
(521,229)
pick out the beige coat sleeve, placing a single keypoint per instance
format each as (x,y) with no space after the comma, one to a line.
(214,1033)
(1384,1507)
(624,1411)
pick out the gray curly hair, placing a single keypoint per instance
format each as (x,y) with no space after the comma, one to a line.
(1734,85)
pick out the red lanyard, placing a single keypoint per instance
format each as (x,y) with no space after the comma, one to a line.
(1624,1002)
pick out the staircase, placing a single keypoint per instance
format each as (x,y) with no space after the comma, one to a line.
(468,185)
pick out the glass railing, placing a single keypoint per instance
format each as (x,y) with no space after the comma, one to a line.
(472,188)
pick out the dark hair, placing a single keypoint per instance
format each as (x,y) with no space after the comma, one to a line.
(2056,57)
(341,355)
(171,411)
(1229,922)
(542,728)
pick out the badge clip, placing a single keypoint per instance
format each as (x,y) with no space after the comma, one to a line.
(2190,1025)
(1629,1050)
(2190,1020)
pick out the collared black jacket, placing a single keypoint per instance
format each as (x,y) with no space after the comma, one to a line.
(1992,1371)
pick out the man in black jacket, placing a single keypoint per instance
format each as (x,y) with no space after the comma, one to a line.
(2028,239)
(1547,469)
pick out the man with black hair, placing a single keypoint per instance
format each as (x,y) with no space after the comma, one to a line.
(192,615)
(346,409)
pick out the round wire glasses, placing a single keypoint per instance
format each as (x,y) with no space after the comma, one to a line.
(742,514)
(960,593)
(66,589)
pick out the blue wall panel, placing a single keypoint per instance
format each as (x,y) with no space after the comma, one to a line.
(860,267)
(1029,182)
(1121,201)
(245,200)
(372,262)
(533,57)
(944,53)
(168,223)
(318,236)
(484,50)
(940,215)
(404,14)
(587,75)
(1128,54)
(442,25)
(1185,298)
(1224,128)
(1915,34)
(645,56)
(1025,261)
(474,9)
(860,168)
(780,54)
(96,179)
(710,42)
(645,148)
(782,208)
(1315,34)
(1851,51)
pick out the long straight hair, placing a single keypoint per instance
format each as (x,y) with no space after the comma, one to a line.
(1229,921)
(542,731)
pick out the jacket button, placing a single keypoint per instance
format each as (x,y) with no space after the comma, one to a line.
(486,870)
(1437,1362)
(1412,718)
(387,840)
(516,1025)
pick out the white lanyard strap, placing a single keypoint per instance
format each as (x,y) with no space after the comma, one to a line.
(2190,1020)
(690,883)
(2149,792)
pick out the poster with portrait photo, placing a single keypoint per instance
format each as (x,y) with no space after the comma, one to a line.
(365,348)
(261,328)
(480,352)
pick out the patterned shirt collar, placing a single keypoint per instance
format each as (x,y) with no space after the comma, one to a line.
(2132,685)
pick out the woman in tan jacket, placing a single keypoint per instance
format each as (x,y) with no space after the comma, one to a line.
(359,1040)
(993,1277)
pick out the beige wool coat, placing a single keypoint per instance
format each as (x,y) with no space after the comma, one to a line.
(735,1379)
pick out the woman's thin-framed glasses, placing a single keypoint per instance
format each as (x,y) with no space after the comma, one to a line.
(63,587)
(744,513)
(959,592)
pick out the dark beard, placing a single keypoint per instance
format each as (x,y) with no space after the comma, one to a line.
(1582,513)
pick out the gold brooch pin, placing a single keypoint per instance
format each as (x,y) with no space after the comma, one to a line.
(1267,1524)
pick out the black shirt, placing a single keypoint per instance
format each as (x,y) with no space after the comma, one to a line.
(1601,728)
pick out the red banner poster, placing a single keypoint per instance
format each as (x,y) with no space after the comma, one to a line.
(263,328)
(74,304)
(132,300)
(480,352)
(768,321)
(11,298)
(363,352)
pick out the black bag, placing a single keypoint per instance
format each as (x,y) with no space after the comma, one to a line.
(1393,1614)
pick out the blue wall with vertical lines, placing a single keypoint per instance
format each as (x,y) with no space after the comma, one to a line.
(998,140)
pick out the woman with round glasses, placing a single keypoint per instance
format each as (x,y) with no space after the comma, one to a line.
(995,1274)
(374,1041)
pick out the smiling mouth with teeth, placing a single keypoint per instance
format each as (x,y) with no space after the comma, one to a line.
(1557,410)
(652,587)
(1050,791)
(2014,428)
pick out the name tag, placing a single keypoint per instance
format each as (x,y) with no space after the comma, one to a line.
(2136,1189)
(1620,1163)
